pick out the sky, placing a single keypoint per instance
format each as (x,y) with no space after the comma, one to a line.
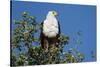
(72,19)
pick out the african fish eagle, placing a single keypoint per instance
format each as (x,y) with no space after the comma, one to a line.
(50,31)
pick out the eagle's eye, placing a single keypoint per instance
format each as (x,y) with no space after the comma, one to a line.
(54,13)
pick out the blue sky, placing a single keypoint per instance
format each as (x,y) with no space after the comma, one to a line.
(72,19)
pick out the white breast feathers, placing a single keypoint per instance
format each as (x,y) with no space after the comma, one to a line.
(50,27)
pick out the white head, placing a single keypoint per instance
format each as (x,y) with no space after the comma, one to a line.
(52,13)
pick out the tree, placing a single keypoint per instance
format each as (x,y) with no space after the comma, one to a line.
(26,48)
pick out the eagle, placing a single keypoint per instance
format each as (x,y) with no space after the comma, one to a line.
(50,31)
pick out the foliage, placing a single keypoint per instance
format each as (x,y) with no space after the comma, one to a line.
(26,48)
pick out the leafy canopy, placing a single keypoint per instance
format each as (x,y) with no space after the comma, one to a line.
(26,48)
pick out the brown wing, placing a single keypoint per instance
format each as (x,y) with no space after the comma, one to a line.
(43,38)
